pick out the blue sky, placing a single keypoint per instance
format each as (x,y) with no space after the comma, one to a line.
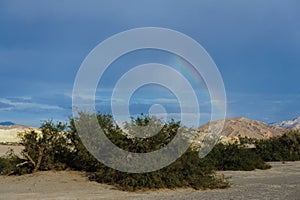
(255,44)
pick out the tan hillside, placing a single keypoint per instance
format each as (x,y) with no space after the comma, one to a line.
(233,128)
(9,133)
(244,127)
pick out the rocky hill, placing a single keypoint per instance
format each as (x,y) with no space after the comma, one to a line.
(244,127)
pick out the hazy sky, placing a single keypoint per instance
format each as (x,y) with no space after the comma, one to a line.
(255,44)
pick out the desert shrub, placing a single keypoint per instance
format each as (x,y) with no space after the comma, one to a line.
(45,149)
(281,148)
(187,171)
(80,158)
(9,164)
(235,157)
(6,166)
(166,132)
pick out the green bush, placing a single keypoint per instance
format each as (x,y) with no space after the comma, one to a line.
(46,149)
(282,148)
(9,164)
(5,166)
(187,171)
(235,157)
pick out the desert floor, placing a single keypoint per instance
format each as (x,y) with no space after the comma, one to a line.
(280,182)
(6,148)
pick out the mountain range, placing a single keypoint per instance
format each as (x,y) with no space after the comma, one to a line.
(7,123)
(290,124)
(233,127)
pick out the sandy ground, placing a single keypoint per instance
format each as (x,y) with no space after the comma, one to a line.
(5,148)
(280,182)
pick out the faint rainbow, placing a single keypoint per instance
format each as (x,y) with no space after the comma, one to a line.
(195,79)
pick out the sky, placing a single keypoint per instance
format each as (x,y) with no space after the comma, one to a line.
(255,45)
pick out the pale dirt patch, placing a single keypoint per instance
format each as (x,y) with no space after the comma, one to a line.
(6,148)
(280,182)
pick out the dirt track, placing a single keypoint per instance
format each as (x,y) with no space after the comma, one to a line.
(280,182)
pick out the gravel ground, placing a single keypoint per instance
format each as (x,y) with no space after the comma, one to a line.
(280,182)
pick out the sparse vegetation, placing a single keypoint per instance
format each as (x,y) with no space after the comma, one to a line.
(9,163)
(57,146)
(10,143)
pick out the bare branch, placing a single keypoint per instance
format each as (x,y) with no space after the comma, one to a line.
(28,157)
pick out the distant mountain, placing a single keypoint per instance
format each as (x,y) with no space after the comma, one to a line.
(290,124)
(244,127)
(7,123)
